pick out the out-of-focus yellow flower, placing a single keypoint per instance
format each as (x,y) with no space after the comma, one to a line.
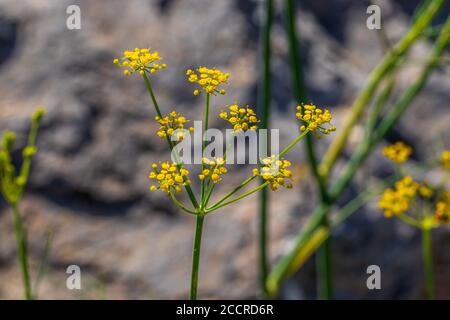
(242,119)
(425,191)
(208,79)
(140,60)
(171,123)
(398,152)
(396,201)
(168,177)
(393,203)
(407,187)
(213,169)
(445,159)
(316,120)
(442,214)
(275,171)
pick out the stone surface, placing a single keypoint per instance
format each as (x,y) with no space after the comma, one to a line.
(89,182)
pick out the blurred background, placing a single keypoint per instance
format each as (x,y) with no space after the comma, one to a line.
(89,181)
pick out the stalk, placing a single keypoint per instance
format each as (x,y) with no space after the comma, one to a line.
(324,266)
(324,262)
(169,142)
(428,262)
(203,200)
(375,78)
(196,256)
(286,265)
(264,104)
(22,252)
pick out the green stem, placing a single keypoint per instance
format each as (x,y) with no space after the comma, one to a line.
(408,220)
(22,251)
(298,84)
(180,205)
(324,267)
(264,104)
(242,196)
(228,195)
(196,256)
(428,262)
(293,143)
(169,142)
(374,80)
(286,267)
(319,236)
(203,197)
(324,262)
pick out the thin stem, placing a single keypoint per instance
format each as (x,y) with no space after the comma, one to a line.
(180,205)
(264,105)
(209,192)
(262,186)
(320,234)
(196,256)
(374,80)
(22,254)
(27,156)
(324,268)
(169,142)
(293,143)
(428,262)
(408,220)
(324,262)
(229,194)
(203,198)
(286,266)
(211,188)
(298,84)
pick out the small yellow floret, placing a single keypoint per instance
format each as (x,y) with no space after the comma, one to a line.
(208,79)
(398,152)
(242,119)
(168,177)
(315,119)
(275,171)
(140,60)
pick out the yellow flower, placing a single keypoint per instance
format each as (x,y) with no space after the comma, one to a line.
(316,120)
(398,152)
(242,119)
(274,171)
(393,203)
(396,201)
(168,177)
(213,169)
(442,213)
(140,60)
(407,187)
(445,159)
(425,191)
(208,79)
(171,123)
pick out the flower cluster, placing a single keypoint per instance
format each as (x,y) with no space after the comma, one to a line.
(445,159)
(213,169)
(172,123)
(208,79)
(140,60)
(169,177)
(442,214)
(274,171)
(242,119)
(398,152)
(396,201)
(315,119)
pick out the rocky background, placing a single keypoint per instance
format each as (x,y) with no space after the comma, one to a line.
(89,185)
